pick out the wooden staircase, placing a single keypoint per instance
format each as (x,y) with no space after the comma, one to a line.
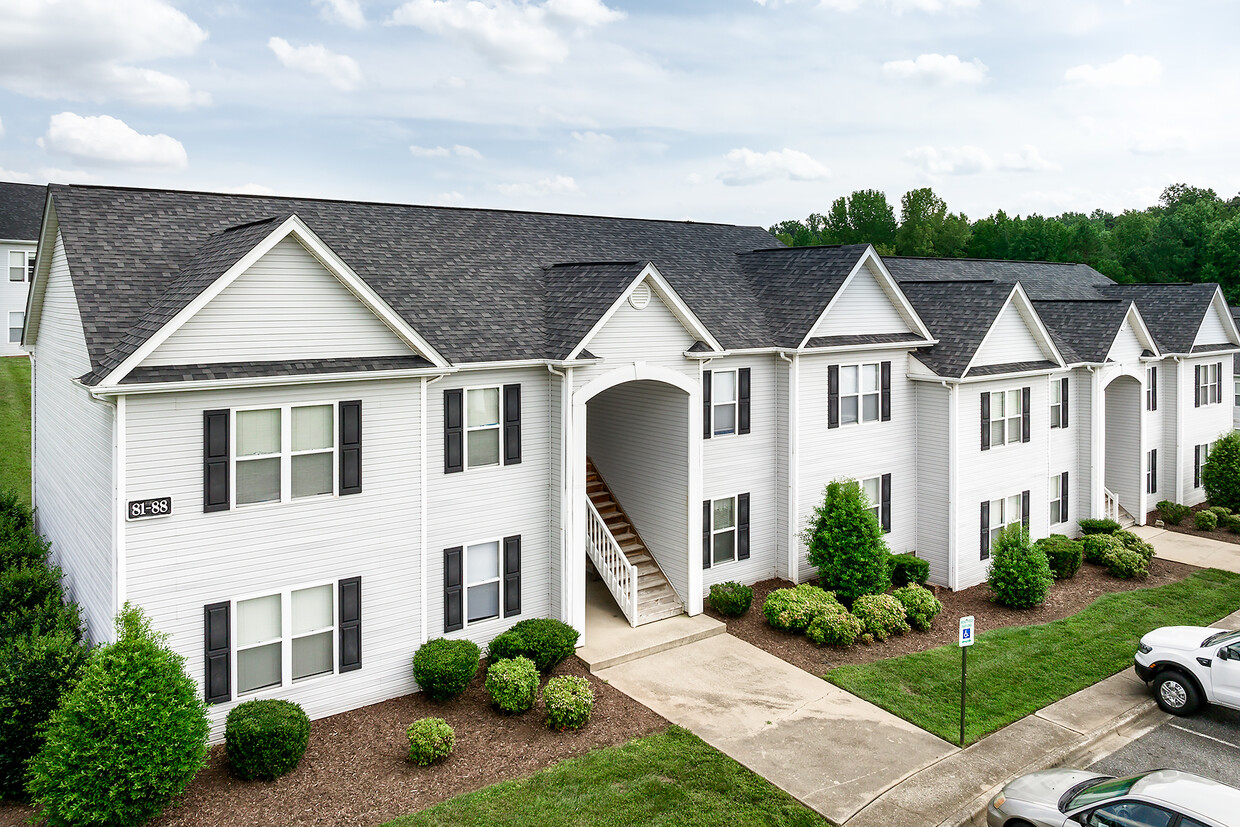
(656,599)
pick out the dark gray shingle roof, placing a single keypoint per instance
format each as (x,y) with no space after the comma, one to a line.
(793,285)
(1083,330)
(1040,279)
(577,297)
(1172,312)
(245,370)
(958,314)
(21,211)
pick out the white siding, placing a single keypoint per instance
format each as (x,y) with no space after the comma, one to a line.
(652,334)
(639,441)
(1154,425)
(1063,445)
(1127,347)
(1124,459)
(1212,330)
(1009,340)
(784,472)
(933,492)
(1081,483)
(861,307)
(286,306)
(557,454)
(12,297)
(73,443)
(1204,424)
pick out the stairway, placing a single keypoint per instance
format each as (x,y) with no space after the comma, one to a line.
(1126,520)
(656,599)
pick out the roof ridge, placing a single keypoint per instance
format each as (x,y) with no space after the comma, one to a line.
(592,263)
(804,248)
(992,260)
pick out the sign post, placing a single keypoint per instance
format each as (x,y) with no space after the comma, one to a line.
(965,641)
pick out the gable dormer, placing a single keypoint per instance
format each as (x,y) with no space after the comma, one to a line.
(1016,336)
(868,302)
(1132,339)
(1217,326)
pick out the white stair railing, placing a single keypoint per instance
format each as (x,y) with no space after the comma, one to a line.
(617,572)
(1110,504)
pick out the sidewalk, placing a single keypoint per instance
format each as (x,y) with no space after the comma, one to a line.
(1191,549)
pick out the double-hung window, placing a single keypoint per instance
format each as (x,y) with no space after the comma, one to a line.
(1209,383)
(859,393)
(482,427)
(284,453)
(1151,388)
(1005,417)
(16,321)
(482,581)
(1056,403)
(1004,512)
(1200,454)
(20,264)
(1059,500)
(1151,471)
(284,637)
(723,530)
(723,402)
(1236,401)
(873,490)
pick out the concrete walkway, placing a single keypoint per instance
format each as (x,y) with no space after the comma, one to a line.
(1191,549)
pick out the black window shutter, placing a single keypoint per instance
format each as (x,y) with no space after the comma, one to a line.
(742,401)
(742,527)
(1025,432)
(1063,402)
(985,530)
(453,431)
(833,396)
(350,624)
(1024,509)
(512,424)
(1063,497)
(1152,486)
(884,509)
(1154,388)
(885,386)
(1217,387)
(217,683)
(215,450)
(707,425)
(706,534)
(453,595)
(512,575)
(350,447)
(985,422)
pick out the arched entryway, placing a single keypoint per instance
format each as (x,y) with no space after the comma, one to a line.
(1123,473)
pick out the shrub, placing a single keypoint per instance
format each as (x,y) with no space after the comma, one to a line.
(1125,563)
(1096,546)
(127,738)
(1173,513)
(513,684)
(32,601)
(837,628)
(1062,555)
(35,673)
(1205,520)
(1020,576)
(919,604)
(1089,527)
(21,547)
(444,668)
(569,701)
(846,544)
(909,568)
(429,740)
(1220,473)
(1132,542)
(794,609)
(543,640)
(1219,511)
(265,739)
(881,614)
(731,598)
(1232,523)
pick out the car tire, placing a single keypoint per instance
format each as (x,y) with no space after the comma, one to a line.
(1176,693)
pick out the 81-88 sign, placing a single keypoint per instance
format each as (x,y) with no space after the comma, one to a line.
(155,507)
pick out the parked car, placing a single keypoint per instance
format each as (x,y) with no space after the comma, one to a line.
(1072,798)
(1191,665)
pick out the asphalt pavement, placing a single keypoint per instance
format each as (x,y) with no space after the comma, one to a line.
(1207,743)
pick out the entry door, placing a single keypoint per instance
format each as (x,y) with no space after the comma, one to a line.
(1225,675)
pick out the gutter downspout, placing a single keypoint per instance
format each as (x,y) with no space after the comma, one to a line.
(565,492)
(1097,430)
(953,562)
(794,475)
(424,529)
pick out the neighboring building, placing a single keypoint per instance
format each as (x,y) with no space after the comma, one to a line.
(21,212)
(306,436)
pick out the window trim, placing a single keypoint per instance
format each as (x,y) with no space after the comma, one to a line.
(994,528)
(27,262)
(1236,391)
(286,638)
(1209,384)
(467,429)
(1008,419)
(18,327)
(735,404)
(285,456)
(1202,451)
(1056,402)
(1151,388)
(735,529)
(466,584)
(877,508)
(861,394)
(1056,505)
(1151,471)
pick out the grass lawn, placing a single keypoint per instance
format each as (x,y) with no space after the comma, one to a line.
(673,778)
(1018,670)
(15,426)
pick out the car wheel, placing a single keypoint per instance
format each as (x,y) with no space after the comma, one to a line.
(1176,694)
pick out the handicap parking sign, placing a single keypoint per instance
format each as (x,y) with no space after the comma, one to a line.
(966,631)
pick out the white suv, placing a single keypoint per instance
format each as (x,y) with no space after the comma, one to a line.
(1191,665)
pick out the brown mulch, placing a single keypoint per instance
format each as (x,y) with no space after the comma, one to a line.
(1187,527)
(356,770)
(1067,597)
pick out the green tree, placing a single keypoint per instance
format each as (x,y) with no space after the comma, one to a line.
(846,544)
(921,213)
(1220,474)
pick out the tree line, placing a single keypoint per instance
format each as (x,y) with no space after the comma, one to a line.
(1191,235)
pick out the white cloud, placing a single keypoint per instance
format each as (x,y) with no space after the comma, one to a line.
(452,197)
(1027,159)
(340,71)
(1129,70)
(935,68)
(466,152)
(19,177)
(88,50)
(253,189)
(749,167)
(959,160)
(897,6)
(1159,142)
(458,150)
(346,12)
(106,141)
(518,36)
(555,185)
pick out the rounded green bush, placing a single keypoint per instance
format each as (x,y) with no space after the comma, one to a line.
(543,640)
(429,740)
(920,605)
(835,628)
(513,684)
(1172,513)
(1232,523)
(1064,556)
(845,542)
(505,646)
(32,601)
(1219,511)
(1205,520)
(881,614)
(909,568)
(1096,546)
(1220,473)
(1126,563)
(1089,527)
(569,701)
(265,739)
(794,609)
(731,598)
(1020,576)
(1134,543)
(444,668)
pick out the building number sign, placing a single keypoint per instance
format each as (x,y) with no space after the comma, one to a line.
(154,507)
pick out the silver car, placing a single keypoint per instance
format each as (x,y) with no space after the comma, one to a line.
(1069,798)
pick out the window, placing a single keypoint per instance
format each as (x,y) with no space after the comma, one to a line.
(1129,814)
(723,530)
(1236,401)
(482,580)
(16,322)
(723,402)
(1151,471)
(1200,454)
(860,393)
(873,490)
(1151,388)
(1059,500)
(284,453)
(1209,381)
(482,427)
(1005,417)
(1003,513)
(285,637)
(1056,403)
(19,268)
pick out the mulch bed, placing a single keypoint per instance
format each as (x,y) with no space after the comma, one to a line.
(1186,527)
(1067,597)
(356,770)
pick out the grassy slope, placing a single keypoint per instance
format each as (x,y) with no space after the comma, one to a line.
(669,779)
(1016,671)
(15,426)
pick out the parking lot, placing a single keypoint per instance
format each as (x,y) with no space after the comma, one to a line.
(1207,743)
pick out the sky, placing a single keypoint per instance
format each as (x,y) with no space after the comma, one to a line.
(738,111)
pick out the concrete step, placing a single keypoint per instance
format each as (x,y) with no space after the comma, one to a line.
(653,615)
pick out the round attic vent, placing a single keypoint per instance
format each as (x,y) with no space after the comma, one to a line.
(640,297)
